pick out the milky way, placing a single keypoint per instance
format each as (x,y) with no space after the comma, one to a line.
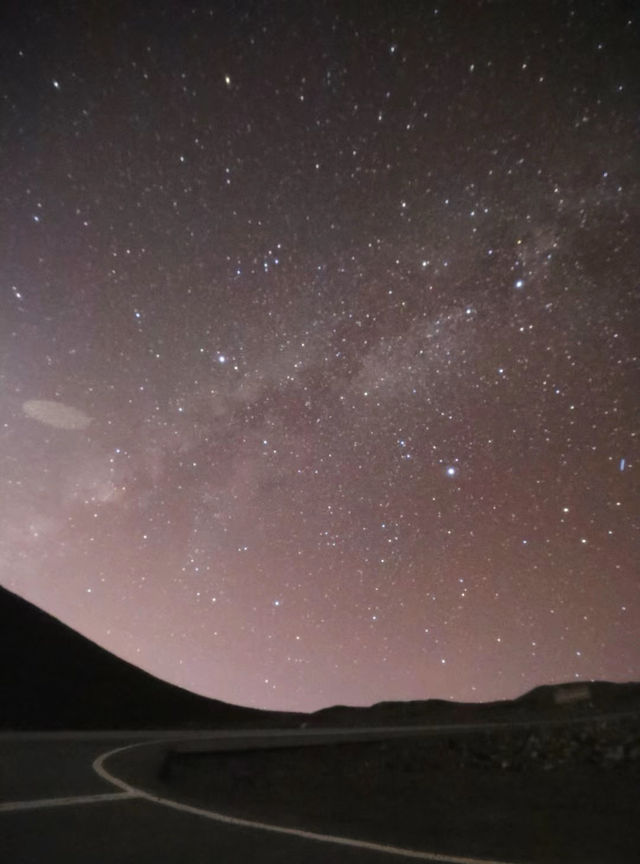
(318,340)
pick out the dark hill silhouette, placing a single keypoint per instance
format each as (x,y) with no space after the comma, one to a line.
(54,678)
(547,702)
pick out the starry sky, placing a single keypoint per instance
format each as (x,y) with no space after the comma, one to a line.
(318,341)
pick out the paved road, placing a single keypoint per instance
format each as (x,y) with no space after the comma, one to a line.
(60,801)
(55,807)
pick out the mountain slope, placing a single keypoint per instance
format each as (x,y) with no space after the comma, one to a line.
(53,678)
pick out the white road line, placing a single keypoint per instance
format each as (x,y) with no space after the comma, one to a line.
(12,806)
(98,767)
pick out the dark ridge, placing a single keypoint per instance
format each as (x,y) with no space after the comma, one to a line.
(546,702)
(54,678)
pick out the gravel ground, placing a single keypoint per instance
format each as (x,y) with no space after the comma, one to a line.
(541,794)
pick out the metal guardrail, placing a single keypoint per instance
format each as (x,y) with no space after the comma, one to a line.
(286,739)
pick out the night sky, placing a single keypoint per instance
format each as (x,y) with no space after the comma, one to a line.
(319,341)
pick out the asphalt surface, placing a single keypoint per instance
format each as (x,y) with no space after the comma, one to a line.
(54,807)
(60,801)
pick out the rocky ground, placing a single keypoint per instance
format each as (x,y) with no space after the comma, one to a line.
(536,794)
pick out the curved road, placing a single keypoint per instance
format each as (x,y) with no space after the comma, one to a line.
(61,800)
(60,803)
